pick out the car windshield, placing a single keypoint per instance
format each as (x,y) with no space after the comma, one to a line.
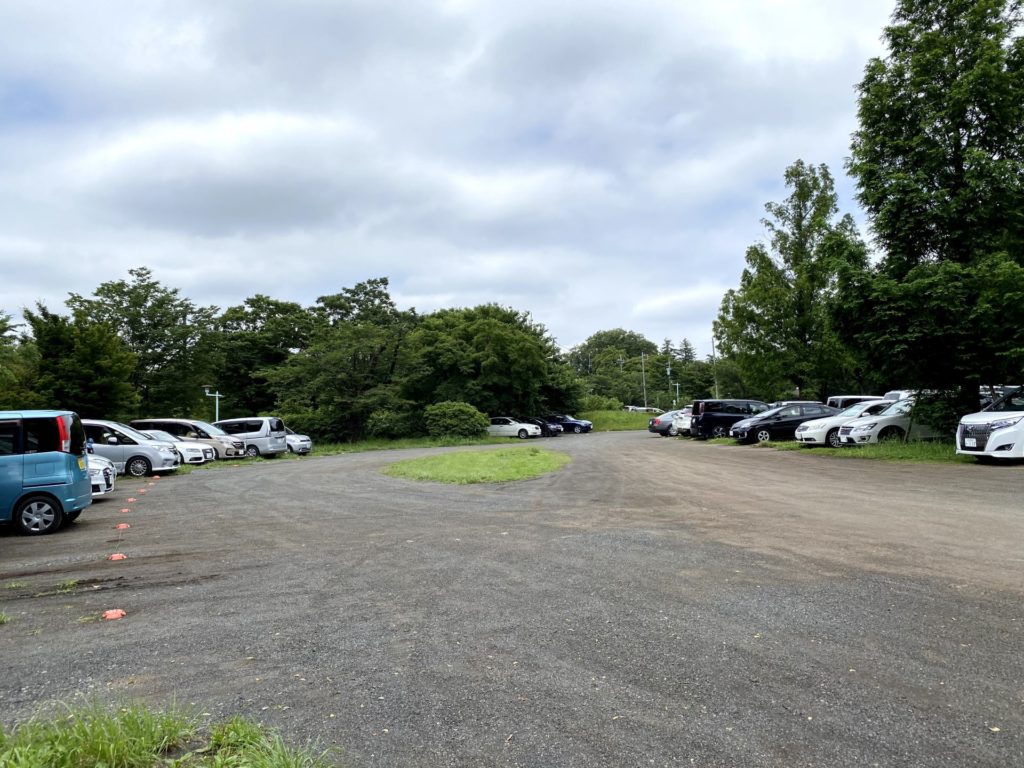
(134,434)
(853,410)
(1012,401)
(899,408)
(159,434)
(209,428)
(772,411)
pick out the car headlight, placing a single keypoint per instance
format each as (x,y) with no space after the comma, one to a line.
(95,471)
(1004,423)
(866,427)
(165,449)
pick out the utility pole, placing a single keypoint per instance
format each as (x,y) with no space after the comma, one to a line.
(714,365)
(643,377)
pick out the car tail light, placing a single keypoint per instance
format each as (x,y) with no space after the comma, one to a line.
(64,434)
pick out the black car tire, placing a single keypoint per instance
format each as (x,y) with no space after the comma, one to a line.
(763,435)
(138,466)
(832,439)
(719,432)
(523,434)
(252,451)
(38,515)
(577,428)
(672,431)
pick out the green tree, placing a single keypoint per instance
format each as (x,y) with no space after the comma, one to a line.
(939,162)
(82,365)
(777,326)
(255,337)
(495,358)
(168,335)
(352,366)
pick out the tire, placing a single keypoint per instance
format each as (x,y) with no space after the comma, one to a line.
(890,433)
(38,516)
(672,431)
(763,435)
(181,457)
(522,434)
(252,451)
(290,449)
(577,428)
(719,431)
(832,439)
(138,466)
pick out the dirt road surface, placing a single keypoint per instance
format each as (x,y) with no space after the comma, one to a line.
(659,602)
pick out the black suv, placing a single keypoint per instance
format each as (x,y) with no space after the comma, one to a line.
(712,418)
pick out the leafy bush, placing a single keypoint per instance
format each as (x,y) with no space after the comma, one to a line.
(454,419)
(599,403)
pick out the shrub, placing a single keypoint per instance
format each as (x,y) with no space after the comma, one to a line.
(386,422)
(453,419)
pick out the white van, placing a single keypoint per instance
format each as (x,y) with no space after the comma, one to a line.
(996,432)
(263,435)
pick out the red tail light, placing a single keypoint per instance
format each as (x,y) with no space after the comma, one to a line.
(64,434)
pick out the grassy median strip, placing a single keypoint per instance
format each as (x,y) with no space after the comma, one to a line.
(134,737)
(466,467)
(920,451)
(617,421)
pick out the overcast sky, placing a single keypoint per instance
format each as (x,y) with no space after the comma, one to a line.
(597,164)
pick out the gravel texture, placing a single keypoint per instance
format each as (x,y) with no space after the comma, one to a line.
(659,602)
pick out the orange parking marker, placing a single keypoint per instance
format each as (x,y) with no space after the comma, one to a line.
(122,527)
(131,499)
(117,556)
(114,614)
(142,490)
(125,509)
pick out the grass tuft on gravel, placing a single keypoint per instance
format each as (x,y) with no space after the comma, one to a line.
(135,737)
(468,467)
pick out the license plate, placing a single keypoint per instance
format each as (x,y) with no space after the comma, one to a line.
(970,442)
(81,462)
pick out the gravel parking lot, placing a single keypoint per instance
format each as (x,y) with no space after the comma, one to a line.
(657,603)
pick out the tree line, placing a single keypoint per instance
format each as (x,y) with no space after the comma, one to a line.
(936,304)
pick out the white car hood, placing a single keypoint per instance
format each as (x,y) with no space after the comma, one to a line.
(987,417)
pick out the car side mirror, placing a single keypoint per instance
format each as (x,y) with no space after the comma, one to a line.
(111,440)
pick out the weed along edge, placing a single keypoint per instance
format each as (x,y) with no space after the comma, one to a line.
(468,467)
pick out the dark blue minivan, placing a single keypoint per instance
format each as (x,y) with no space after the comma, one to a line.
(44,474)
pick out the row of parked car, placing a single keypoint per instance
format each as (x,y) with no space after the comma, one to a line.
(995,432)
(551,425)
(53,464)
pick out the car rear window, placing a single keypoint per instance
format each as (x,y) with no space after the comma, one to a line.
(42,435)
(8,438)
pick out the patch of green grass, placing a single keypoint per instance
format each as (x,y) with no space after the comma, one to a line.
(465,467)
(15,585)
(4,618)
(68,585)
(617,421)
(135,737)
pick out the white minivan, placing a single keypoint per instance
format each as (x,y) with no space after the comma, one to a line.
(996,432)
(263,435)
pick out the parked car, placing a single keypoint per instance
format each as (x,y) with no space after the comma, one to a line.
(665,424)
(997,432)
(131,451)
(569,423)
(899,394)
(263,435)
(102,474)
(547,428)
(894,423)
(681,420)
(297,444)
(224,444)
(189,451)
(825,431)
(714,418)
(44,477)
(842,402)
(778,423)
(506,426)
(643,409)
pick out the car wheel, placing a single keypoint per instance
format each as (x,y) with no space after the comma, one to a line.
(672,431)
(290,450)
(38,515)
(138,466)
(718,432)
(181,457)
(890,433)
(832,439)
(763,435)
(252,451)
(522,434)
(577,428)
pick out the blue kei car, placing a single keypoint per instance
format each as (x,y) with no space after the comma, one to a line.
(44,474)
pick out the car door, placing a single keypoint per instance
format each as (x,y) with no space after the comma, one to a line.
(501,426)
(11,466)
(100,436)
(784,423)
